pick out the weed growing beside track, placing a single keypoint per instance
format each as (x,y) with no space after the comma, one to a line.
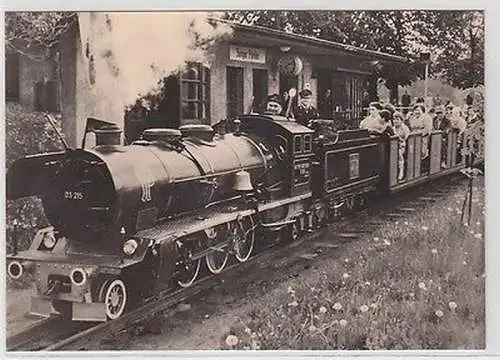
(416,282)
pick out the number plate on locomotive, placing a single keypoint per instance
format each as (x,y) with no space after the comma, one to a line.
(73,195)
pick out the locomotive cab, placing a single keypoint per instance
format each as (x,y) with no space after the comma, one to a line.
(293,145)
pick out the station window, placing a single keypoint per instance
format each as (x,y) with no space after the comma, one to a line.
(195,92)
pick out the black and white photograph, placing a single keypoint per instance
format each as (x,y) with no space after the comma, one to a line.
(245,180)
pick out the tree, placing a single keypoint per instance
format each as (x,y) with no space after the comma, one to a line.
(35,34)
(455,37)
(458,41)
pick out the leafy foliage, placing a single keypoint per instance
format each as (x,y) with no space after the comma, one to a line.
(36,33)
(456,38)
(27,133)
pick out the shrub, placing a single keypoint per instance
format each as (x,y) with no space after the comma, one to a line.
(27,133)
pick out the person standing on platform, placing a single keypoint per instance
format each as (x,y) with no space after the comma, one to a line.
(405,102)
(325,106)
(305,111)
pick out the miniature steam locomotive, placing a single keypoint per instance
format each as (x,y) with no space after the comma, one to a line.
(129,221)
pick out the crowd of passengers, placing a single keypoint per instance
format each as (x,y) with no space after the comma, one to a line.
(385,119)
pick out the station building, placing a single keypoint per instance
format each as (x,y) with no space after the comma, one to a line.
(253,63)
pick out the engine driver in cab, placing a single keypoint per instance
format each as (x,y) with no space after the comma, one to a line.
(273,105)
(305,111)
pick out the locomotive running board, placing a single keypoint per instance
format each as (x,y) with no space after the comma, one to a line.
(174,229)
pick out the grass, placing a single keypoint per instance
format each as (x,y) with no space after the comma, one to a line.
(416,283)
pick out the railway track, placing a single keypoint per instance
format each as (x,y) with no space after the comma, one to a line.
(57,334)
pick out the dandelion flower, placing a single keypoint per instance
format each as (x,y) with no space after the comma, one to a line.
(387,242)
(337,306)
(231,340)
(375,239)
(367,283)
(422,286)
(434,251)
(439,313)
(452,305)
(396,222)
(407,223)
(364,308)
(322,310)
(342,322)
(346,276)
(425,228)
(346,260)
(293,304)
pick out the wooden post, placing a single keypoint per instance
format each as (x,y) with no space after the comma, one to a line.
(410,155)
(436,140)
(418,155)
(394,160)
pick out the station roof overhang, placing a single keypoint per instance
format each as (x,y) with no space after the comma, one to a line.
(252,35)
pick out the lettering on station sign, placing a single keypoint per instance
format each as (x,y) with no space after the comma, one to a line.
(246,54)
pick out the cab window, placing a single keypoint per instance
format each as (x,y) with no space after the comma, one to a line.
(297,144)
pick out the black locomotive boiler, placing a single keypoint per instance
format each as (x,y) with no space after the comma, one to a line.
(128,221)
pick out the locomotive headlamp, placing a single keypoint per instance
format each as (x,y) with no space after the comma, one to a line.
(78,276)
(49,241)
(15,270)
(130,246)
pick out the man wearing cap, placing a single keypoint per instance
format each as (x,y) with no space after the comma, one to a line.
(273,105)
(305,112)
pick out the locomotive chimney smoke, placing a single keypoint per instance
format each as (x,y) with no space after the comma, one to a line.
(126,54)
